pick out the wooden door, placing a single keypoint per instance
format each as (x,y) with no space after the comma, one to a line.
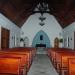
(56,43)
(74,40)
(5,38)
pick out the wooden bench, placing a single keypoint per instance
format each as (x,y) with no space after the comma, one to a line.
(32,49)
(25,56)
(71,69)
(29,52)
(52,54)
(62,61)
(11,66)
(59,57)
(22,56)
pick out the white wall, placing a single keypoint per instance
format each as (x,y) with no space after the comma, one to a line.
(69,32)
(0,36)
(14,30)
(31,27)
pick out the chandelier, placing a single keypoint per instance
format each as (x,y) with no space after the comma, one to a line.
(42,18)
(42,8)
(41,23)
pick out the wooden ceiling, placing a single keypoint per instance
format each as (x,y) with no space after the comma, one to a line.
(19,10)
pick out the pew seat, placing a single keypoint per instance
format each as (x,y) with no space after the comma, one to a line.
(11,66)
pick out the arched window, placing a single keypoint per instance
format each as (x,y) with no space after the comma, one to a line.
(41,37)
(56,43)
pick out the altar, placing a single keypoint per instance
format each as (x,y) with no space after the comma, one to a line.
(40,45)
(41,48)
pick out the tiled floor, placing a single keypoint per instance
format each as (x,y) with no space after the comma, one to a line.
(42,66)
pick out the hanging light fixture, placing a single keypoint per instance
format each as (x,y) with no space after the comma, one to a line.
(42,18)
(42,8)
(41,23)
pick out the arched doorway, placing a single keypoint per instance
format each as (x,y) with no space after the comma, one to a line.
(41,38)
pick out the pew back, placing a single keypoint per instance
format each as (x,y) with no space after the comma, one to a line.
(9,65)
(71,63)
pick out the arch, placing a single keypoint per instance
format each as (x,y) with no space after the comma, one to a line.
(56,42)
(26,41)
(41,38)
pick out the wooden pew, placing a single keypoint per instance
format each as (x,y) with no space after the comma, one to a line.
(71,69)
(25,56)
(52,54)
(27,51)
(58,53)
(59,57)
(11,66)
(31,49)
(62,61)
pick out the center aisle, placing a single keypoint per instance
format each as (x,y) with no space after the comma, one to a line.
(42,66)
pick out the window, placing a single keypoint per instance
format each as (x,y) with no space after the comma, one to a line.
(41,37)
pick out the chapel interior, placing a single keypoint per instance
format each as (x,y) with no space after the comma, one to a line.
(37,37)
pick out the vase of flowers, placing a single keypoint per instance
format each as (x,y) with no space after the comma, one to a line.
(61,42)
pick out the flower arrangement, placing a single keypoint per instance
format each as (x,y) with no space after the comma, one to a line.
(21,39)
(61,40)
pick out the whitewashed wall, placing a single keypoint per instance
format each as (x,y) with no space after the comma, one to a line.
(0,36)
(68,32)
(31,27)
(14,30)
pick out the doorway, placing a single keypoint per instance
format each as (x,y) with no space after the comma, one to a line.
(74,40)
(41,39)
(4,38)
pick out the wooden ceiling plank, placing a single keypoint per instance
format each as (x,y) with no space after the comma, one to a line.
(19,10)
